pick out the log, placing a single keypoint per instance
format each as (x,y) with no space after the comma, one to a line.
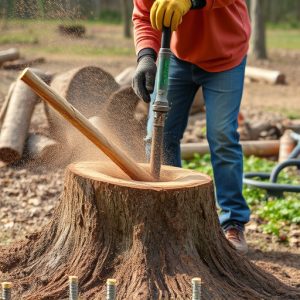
(269,76)
(87,89)
(17,120)
(126,131)
(6,103)
(40,147)
(153,238)
(124,79)
(20,64)
(257,148)
(254,131)
(8,55)
(78,120)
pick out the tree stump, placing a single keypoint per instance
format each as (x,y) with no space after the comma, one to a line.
(151,237)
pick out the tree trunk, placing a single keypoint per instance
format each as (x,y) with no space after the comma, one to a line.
(151,237)
(126,15)
(87,89)
(17,118)
(258,41)
(40,147)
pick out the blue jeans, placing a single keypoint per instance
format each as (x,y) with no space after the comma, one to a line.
(222,93)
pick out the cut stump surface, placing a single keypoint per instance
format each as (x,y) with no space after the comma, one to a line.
(153,238)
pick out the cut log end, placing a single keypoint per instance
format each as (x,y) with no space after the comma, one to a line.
(9,155)
(171,178)
(152,238)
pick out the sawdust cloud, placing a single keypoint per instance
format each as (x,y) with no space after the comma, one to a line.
(77,147)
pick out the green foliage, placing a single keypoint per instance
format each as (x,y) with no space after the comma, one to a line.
(110,17)
(293,24)
(280,213)
(200,163)
(276,214)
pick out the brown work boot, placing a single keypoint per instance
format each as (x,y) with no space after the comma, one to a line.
(237,239)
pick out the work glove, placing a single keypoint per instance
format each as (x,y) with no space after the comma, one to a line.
(144,78)
(168,13)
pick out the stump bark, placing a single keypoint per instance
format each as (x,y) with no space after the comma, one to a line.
(151,237)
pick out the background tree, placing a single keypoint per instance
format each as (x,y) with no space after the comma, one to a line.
(127,8)
(258,40)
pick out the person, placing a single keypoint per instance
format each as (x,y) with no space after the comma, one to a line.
(209,46)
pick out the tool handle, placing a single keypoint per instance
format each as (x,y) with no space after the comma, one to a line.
(161,102)
(78,120)
(166,37)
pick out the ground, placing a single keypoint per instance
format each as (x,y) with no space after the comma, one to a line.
(29,193)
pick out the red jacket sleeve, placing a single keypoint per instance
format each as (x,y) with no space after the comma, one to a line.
(211,4)
(144,35)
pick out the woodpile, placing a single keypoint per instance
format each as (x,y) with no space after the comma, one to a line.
(111,106)
(17,113)
(113,110)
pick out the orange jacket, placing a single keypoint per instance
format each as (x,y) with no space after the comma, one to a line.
(216,38)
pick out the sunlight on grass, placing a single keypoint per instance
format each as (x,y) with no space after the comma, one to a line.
(277,214)
(18,38)
(89,51)
(283,39)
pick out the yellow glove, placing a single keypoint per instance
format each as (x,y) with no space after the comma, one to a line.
(168,13)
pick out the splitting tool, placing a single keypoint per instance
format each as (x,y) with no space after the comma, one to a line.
(160,106)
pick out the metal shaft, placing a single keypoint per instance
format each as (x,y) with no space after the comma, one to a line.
(157,145)
(6,290)
(111,289)
(196,285)
(160,105)
(73,287)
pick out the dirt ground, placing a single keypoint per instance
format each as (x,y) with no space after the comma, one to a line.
(28,193)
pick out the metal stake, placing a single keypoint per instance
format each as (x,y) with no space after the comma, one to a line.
(196,283)
(73,287)
(6,290)
(111,289)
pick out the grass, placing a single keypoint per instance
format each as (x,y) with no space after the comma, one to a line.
(88,51)
(276,214)
(283,39)
(18,38)
(42,36)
